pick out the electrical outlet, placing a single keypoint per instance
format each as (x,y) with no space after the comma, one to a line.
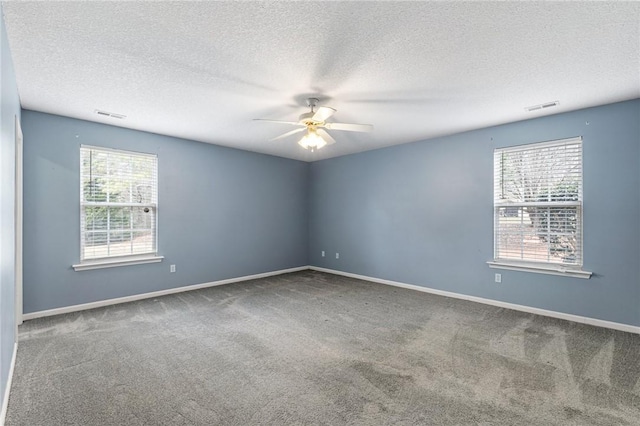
(322,253)
(337,255)
(498,278)
(172,268)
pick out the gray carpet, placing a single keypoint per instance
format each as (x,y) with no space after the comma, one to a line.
(316,349)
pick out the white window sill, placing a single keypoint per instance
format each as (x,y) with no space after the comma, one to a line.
(114,262)
(540,269)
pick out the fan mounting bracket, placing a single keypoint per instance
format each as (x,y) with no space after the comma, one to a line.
(312,103)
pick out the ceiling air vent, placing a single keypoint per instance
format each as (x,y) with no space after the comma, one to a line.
(110,114)
(542,106)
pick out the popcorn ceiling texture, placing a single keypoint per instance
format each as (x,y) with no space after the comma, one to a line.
(415,70)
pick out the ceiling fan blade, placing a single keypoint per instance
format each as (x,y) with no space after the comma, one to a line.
(326,136)
(323,113)
(276,121)
(293,132)
(349,127)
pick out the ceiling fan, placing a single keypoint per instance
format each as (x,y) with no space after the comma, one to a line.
(314,123)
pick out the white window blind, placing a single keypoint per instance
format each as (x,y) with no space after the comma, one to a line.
(119,196)
(538,203)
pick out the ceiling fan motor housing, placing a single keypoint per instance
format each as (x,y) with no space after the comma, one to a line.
(306,119)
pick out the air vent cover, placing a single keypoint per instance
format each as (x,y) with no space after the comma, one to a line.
(542,106)
(110,114)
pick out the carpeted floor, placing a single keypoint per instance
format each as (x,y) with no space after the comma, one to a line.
(310,348)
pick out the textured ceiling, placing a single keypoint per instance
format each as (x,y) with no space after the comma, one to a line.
(414,70)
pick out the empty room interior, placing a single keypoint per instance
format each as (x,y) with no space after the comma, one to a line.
(320,213)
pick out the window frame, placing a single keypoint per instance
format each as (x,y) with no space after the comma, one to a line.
(122,260)
(573,270)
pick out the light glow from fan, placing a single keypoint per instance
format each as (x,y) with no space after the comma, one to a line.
(312,140)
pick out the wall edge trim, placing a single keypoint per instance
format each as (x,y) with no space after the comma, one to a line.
(5,400)
(141,296)
(522,308)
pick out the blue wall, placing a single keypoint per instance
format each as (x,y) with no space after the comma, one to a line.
(222,213)
(9,109)
(419,213)
(422,214)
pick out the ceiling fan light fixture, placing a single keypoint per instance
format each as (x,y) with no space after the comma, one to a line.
(315,123)
(312,140)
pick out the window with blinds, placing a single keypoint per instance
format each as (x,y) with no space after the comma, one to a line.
(538,203)
(119,196)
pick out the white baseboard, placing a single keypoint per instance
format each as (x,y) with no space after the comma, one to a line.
(522,308)
(5,400)
(507,305)
(101,303)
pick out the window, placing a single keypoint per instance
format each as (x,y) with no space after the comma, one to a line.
(118,202)
(538,205)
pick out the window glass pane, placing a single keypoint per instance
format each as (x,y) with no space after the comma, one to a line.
(95,218)
(539,174)
(94,189)
(143,242)
(119,218)
(141,219)
(120,243)
(95,245)
(544,234)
